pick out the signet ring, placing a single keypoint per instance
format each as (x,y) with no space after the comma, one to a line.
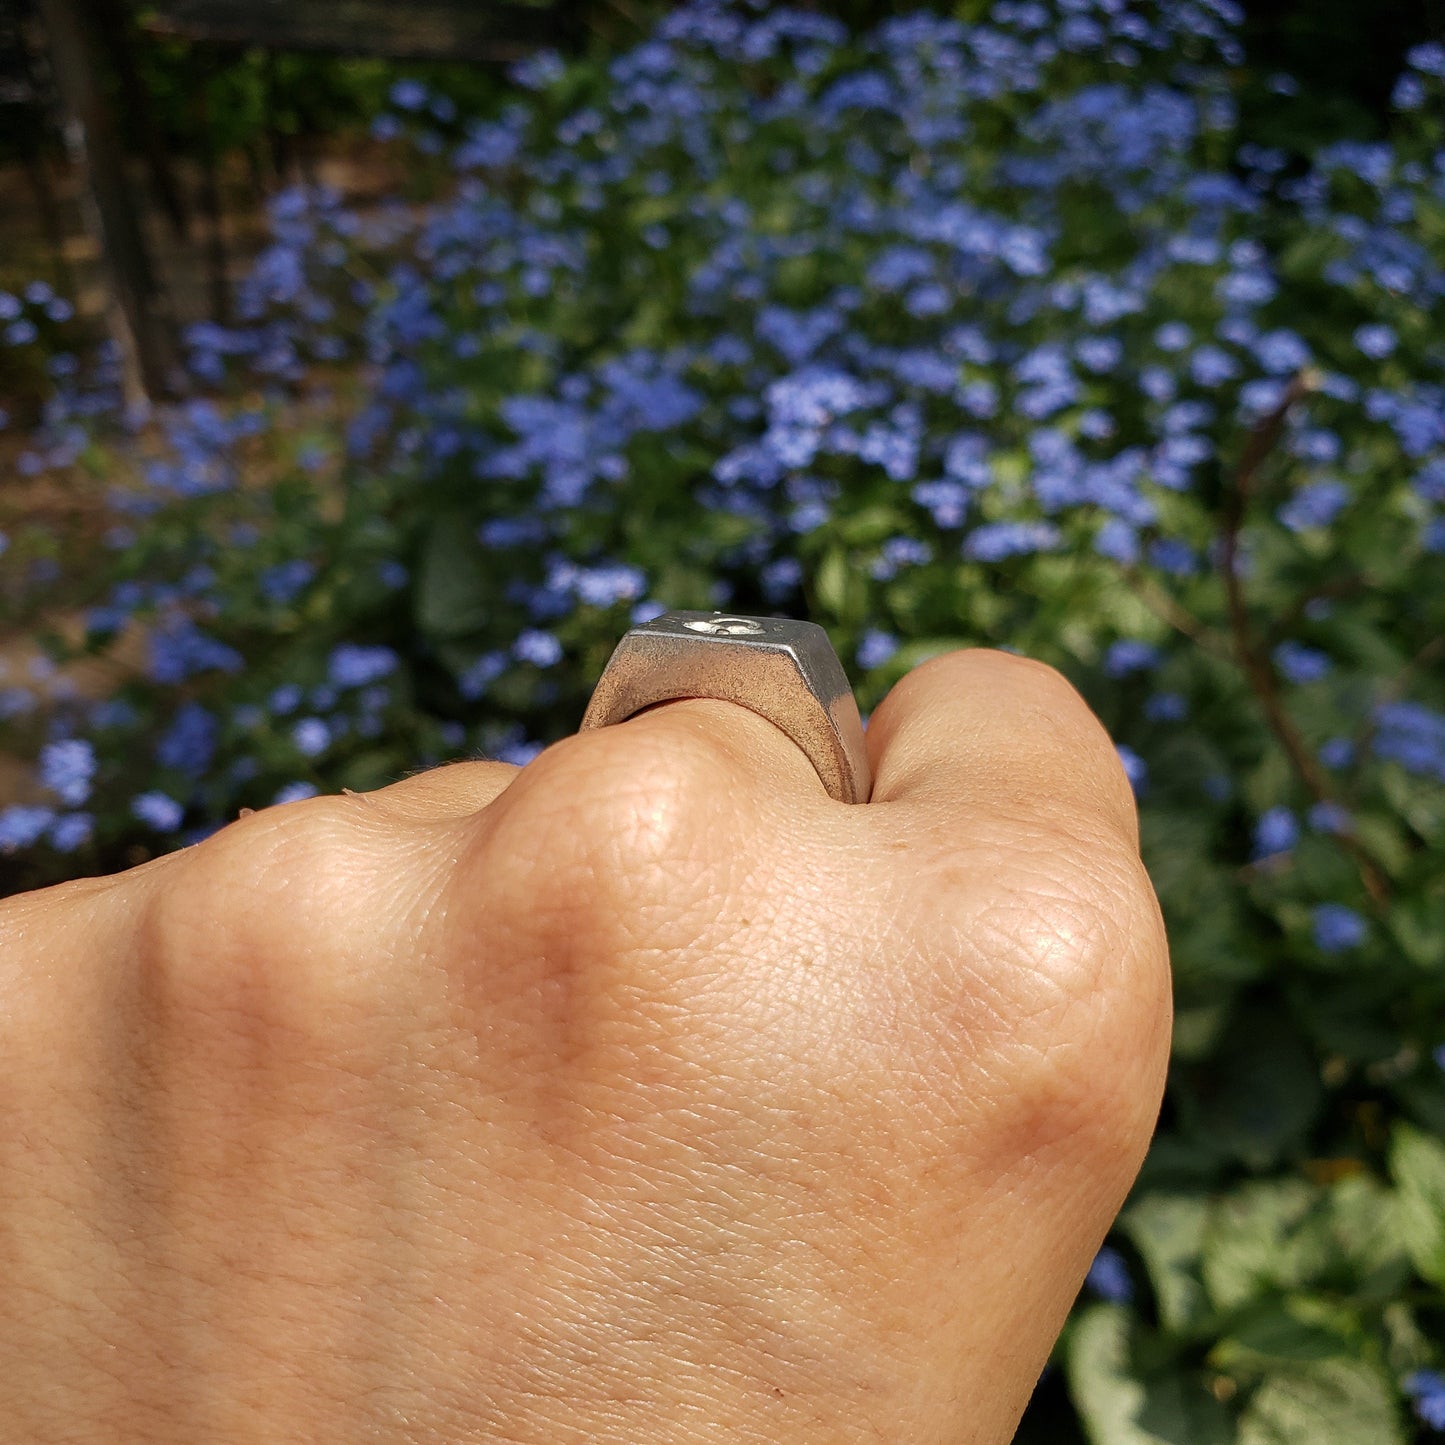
(780,668)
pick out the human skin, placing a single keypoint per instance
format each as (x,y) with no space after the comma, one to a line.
(645,1094)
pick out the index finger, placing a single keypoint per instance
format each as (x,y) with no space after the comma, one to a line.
(983,731)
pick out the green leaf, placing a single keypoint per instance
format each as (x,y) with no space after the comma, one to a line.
(1168,1232)
(1273,1333)
(869,525)
(1364,1223)
(1336,1402)
(841,589)
(1117,1407)
(452,595)
(1197,1028)
(1254,1244)
(1418,1163)
(1417,924)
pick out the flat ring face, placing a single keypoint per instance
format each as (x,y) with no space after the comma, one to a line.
(779,668)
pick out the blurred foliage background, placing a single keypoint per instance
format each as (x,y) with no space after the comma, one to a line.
(353,403)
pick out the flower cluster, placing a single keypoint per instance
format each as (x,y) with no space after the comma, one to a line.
(995,332)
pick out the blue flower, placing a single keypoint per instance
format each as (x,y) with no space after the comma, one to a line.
(1428,58)
(1277,831)
(1171,555)
(1301,664)
(1135,768)
(67,768)
(541,649)
(1337,753)
(780,577)
(1099,353)
(1281,351)
(1316,504)
(1376,341)
(22,824)
(1412,735)
(898,552)
(71,831)
(1337,928)
(311,737)
(519,753)
(538,71)
(352,665)
(507,532)
(295,792)
(409,95)
(1427,1389)
(158,810)
(1118,541)
(1166,707)
(996,541)
(876,648)
(481,674)
(285,699)
(1128,655)
(1173,336)
(608,584)
(178,649)
(1109,1277)
(189,744)
(946,501)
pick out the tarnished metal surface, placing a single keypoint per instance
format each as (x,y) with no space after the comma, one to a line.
(781,669)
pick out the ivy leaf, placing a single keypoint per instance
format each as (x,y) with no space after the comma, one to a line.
(1254,1244)
(1364,1224)
(1168,1232)
(1418,1164)
(1118,1407)
(1336,1402)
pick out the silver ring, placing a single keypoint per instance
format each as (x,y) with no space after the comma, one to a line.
(781,669)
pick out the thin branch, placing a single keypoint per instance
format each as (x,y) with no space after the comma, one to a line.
(1254,660)
(1170,612)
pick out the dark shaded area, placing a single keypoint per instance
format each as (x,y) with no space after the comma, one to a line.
(1345,56)
(421,30)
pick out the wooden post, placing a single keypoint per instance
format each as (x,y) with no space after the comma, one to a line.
(217,263)
(137,311)
(34,132)
(113,27)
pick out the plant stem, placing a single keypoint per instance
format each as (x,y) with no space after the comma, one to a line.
(1255,662)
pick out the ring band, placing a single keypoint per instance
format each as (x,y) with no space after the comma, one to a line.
(779,668)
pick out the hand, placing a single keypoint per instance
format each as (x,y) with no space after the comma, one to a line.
(643,1094)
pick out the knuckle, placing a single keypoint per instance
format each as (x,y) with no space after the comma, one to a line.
(1096,1039)
(606,868)
(618,807)
(256,928)
(1052,951)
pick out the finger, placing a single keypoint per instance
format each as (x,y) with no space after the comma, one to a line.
(751,754)
(981,731)
(454,790)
